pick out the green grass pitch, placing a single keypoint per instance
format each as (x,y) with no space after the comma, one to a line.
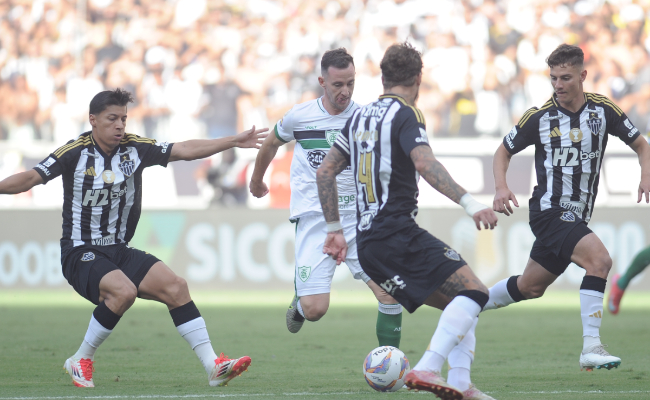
(526,351)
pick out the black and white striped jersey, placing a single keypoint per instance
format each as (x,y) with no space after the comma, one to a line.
(569,149)
(102,193)
(378,140)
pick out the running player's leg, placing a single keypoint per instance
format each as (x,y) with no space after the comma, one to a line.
(163,285)
(619,283)
(591,254)
(100,281)
(389,317)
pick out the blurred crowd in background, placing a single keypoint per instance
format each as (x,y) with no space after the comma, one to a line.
(212,68)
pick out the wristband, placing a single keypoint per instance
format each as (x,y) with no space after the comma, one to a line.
(470,205)
(334,226)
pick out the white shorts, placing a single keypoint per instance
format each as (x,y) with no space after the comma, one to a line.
(314,269)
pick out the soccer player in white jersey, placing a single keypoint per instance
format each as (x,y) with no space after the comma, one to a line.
(102,196)
(315,125)
(570,133)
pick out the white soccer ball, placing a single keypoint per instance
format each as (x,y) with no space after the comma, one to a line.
(385,368)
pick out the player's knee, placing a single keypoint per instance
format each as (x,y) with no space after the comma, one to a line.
(532,291)
(314,312)
(599,266)
(177,290)
(125,295)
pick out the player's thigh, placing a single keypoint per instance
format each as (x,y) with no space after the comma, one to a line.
(163,285)
(590,253)
(537,277)
(462,279)
(85,268)
(134,263)
(314,270)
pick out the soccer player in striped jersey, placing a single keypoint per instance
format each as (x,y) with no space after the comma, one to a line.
(570,133)
(386,145)
(315,125)
(102,192)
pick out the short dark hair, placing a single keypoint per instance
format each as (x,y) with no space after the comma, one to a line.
(401,64)
(337,58)
(102,100)
(566,54)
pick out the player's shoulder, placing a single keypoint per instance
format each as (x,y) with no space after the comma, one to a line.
(604,102)
(73,147)
(535,113)
(407,111)
(304,109)
(130,138)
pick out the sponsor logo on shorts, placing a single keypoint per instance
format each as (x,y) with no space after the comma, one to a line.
(365,220)
(391,285)
(316,158)
(105,241)
(568,216)
(88,256)
(303,273)
(452,254)
(574,206)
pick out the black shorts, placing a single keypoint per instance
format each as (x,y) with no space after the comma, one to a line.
(410,265)
(557,232)
(85,266)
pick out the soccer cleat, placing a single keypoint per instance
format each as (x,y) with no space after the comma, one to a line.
(474,394)
(81,371)
(225,369)
(615,295)
(597,357)
(294,319)
(432,382)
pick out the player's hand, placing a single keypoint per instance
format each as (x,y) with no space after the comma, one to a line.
(258,189)
(251,138)
(644,187)
(502,200)
(486,217)
(336,246)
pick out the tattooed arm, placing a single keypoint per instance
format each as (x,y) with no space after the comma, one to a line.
(435,174)
(335,162)
(438,177)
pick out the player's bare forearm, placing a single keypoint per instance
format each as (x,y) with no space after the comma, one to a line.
(332,165)
(435,173)
(500,164)
(20,182)
(197,149)
(264,157)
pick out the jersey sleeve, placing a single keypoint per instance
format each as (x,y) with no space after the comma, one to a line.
(619,125)
(522,135)
(54,164)
(284,127)
(411,129)
(153,152)
(342,142)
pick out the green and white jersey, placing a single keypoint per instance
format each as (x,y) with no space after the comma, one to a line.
(315,130)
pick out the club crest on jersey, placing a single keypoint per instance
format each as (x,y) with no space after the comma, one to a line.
(88,256)
(331,135)
(576,135)
(127,166)
(315,158)
(568,216)
(304,272)
(452,254)
(108,176)
(594,123)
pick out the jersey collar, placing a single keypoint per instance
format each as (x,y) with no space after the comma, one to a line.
(564,110)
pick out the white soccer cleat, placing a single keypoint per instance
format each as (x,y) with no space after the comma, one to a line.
(81,371)
(597,357)
(294,319)
(225,369)
(474,394)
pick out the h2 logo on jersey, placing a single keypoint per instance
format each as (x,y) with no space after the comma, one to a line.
(571,156)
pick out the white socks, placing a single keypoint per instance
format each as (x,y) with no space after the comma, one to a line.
(95,336)
(299,308)
(460,360)
(591,311)
(456,320)
(196,334)
(499,296)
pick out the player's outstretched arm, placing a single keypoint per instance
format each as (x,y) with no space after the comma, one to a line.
(335,243)
(264,157)
(20,182)
(642,149)
(503,195)
(437,176)
(197,149)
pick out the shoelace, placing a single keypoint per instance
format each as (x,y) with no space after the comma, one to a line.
(600,350)
(221,359)
(87,368)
